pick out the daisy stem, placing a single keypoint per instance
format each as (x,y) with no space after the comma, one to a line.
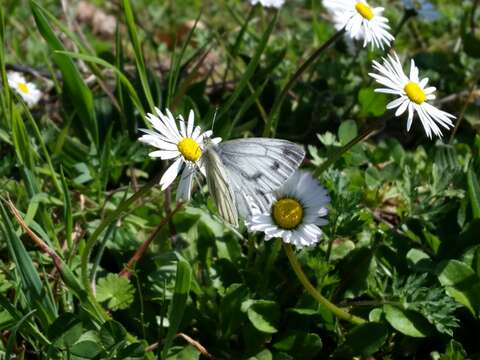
(271,126)
(340,313)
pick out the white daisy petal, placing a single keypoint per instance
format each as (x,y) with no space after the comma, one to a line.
(413,95)
(361,21)
(297,210)
(26,90)
(171,173)
(185,146)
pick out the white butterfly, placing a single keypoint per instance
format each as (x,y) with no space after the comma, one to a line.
(238,172)
(244,170)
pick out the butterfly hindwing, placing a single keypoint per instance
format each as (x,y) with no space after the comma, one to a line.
(258,166)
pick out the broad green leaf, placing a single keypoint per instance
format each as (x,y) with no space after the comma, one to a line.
(301,344)
(88,346)
(366,339)
(347,131)
(264,315)
(112,333)
(66,330)
(230,308)
(186,353)
(262,355)
(407,322)
(116,291)
(461,283)
(373,177)
(372,103)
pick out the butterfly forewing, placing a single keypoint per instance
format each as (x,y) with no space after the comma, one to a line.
(258,166)
(219,185)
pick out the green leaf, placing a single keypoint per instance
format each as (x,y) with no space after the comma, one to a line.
(407,322)
(366,339)
(66,330)
(262,355)
(454,351)
(373,177)
(301,344)
(88,346)
(264,315)
(462,283)
(347,131)
(183,283)
(116,291)
(112,333)
(230,308)
(474,193)
(372,103)
(183,353)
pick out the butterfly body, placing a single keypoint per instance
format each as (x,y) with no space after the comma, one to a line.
(244,170)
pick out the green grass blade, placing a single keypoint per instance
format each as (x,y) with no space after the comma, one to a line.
(474,193)
(30,329)
(250,70)
(31,283)
(177,307)
(67,212)
(124,80)
(141,69)
(177,61)
(13,334)
(73,82)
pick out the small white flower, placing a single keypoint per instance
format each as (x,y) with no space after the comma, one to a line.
(413,95)
(185,145)
(360,21)
(297,211)
(268,3)
(28,91)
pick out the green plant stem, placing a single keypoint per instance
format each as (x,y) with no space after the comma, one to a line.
(339,153)
(271,127)
(464,109)
(85,256)
(340,313)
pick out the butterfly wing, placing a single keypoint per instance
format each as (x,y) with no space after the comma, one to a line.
(258,166)
(219,185)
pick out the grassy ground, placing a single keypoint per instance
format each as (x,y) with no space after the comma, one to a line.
(79,193)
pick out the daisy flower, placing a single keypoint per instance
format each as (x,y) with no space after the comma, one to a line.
(28,91)
(268,3)
(297,211)
(184,144)
(360,21)
(413,94)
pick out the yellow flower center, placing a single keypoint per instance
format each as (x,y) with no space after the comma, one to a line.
(364,10)
(415,93)
(190,149)
(23,88)
(287,213)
